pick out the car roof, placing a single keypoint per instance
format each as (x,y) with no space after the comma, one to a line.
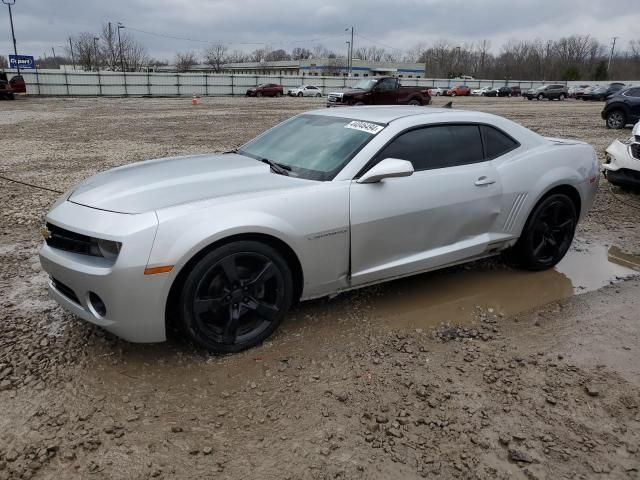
(378,114)
(389,113)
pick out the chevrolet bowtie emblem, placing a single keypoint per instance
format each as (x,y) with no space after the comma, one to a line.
(45,232)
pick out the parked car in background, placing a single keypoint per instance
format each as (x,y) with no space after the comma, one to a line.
(458,90)
(327,201)
(516,91)
(577,91)
(379,91)
(622,109)
(266,90)
(305,91)
(552,91)
(622,162)
(436,91)
(603,92)
(498,92)
(479,91)
(18,84)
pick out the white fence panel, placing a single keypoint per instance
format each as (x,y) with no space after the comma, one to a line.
(78,83)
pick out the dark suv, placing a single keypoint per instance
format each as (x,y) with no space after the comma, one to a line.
(623,108)
(550,92)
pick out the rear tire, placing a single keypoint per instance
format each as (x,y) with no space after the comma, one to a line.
(548,233)
(561,97)
(318,95)
(235,296)
(359,104)
(415,103)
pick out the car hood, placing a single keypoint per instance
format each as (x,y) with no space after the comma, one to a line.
(157,184)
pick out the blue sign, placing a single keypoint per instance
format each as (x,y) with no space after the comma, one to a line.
(23,61)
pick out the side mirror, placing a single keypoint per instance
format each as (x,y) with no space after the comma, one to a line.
(387,168)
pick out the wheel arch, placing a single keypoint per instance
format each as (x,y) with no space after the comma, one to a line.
(281,246)
(564,188)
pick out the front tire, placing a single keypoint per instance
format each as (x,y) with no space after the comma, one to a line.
(548,233)
(540,97)
(299,94)
(616,119)
(561,97)
(235,296)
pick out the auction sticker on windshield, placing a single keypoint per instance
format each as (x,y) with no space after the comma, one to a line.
(371,128)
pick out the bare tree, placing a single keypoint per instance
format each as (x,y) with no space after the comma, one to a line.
(277,55)
(300,53)
(216,56)
(185,60)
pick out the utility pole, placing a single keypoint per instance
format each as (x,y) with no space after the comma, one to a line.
(95,52)
(73,60)
(53,50)
(350,49)
(613,46)
(8,3)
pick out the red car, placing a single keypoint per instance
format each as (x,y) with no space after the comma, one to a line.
(266,90)
(458,90)
(18,84)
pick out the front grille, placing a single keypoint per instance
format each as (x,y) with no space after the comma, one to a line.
(68,241)
(64,290)
(635,150)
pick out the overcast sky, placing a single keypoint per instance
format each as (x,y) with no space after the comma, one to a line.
(41,24)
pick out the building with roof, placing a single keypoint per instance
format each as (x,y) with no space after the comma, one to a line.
(327,67)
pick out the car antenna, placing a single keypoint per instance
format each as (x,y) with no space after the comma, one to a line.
(448,105)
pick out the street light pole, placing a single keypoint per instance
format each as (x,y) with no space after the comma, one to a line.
(348,52)
(8,3)
(124,75)
(350,49)
(120,46)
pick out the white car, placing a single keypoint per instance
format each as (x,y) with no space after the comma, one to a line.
(305,91)
(436,91)
(480,91)
(327,201)
(622,163)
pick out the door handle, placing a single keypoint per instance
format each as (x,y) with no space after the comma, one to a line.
(484,181)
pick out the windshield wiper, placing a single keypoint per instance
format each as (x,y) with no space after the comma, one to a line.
(279,168)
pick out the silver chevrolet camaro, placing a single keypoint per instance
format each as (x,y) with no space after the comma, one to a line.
(327,201)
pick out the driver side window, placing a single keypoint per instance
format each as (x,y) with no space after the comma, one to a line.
(439,146)
(387,85)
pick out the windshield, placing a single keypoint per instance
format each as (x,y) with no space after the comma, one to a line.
(315,147)
(365,84)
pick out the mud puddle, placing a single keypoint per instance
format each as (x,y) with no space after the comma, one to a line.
(452,296)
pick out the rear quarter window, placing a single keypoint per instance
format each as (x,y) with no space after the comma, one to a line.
(496,143)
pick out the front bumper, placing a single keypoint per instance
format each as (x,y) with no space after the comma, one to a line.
(621,167)
(134,302)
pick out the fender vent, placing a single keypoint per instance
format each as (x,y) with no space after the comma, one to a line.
(510,222)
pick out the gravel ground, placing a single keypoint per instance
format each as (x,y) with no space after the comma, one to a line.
(348,388)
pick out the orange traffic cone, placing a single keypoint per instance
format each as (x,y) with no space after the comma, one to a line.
(194,100)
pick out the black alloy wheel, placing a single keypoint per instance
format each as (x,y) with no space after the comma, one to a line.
(236,296)
(548,233)
(616,119)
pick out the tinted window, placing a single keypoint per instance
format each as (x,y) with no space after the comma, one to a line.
(496,143)
(632,92)
(387,85)
(437,147)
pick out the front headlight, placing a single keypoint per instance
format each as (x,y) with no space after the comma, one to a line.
(109,249)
